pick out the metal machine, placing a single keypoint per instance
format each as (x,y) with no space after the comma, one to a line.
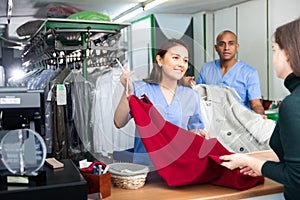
(21,108)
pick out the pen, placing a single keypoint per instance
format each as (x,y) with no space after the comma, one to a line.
(106,169)
(119,63)
(99,169)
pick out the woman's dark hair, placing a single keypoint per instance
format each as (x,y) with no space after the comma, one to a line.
(287,37)
(156,73)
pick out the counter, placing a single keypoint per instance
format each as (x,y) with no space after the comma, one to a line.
(155,188)
(62,183)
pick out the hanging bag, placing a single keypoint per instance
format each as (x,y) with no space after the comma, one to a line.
(180,156)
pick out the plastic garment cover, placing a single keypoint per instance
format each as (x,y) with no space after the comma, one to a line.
(82,98)
(60,128)
(40,81)
(93,104)
(180,156)
(90,15)
(107,93)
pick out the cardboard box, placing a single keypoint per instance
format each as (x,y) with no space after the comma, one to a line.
(98,183)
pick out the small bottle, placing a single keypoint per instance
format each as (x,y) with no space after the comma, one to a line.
(273,105)
(95,170)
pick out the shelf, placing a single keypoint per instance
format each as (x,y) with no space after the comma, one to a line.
(71,25)
(58,23)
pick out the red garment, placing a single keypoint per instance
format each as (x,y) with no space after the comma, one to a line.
(91,167)
(180,156)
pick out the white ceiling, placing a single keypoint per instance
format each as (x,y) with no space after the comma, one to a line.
(24,10)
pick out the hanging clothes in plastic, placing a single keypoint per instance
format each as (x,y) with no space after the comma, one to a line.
(79,101)
(107,138)
(180,156)
(42,82)
(90,112)
(60,128)
(49,112)
(23,80)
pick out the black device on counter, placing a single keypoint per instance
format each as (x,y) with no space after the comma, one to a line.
(21,108)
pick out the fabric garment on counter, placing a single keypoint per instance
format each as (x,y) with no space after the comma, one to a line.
(239,129)
(183,111)
(180,156)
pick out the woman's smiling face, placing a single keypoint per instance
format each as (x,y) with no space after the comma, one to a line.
(175,62)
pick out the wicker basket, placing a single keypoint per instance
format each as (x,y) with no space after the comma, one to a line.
(128,175)
(129,182)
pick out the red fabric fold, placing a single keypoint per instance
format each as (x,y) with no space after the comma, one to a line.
(180,156)
(90,168)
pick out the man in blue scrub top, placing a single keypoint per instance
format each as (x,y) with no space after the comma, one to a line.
(228,71)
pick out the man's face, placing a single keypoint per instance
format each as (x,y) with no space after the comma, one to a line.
(227,46)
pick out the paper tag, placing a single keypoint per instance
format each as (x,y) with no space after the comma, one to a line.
(49,96)
(61,95)
(84,163)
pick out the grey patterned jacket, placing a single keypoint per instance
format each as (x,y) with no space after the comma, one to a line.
(239,129)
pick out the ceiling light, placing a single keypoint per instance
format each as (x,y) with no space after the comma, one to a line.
(130,15)
(153,4)
(9,9)
(138,9)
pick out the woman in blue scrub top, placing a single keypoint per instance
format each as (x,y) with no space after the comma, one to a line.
(168,91)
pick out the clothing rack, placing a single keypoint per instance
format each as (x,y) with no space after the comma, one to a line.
(58,40)
(62,45)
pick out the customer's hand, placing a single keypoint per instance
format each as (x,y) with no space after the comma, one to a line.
(234,161)
(242,162)
(249,171)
